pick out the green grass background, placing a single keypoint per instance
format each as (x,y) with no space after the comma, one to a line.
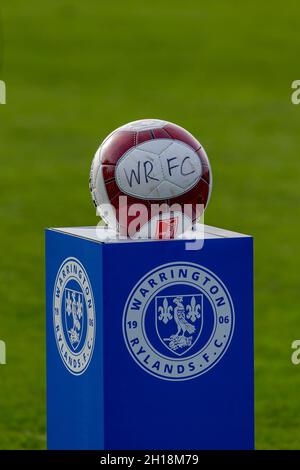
(76,70)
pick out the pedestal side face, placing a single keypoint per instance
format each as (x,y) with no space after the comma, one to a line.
(74,342)
(178,345)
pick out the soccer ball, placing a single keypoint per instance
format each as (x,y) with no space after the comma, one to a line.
(150,178)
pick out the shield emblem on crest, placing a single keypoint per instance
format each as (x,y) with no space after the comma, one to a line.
(74,309)
(179,321)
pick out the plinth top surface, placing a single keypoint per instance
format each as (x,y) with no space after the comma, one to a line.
(103,234)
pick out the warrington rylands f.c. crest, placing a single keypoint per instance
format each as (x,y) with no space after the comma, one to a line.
(178,321)
(74,316)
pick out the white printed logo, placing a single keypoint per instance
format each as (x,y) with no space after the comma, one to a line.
(74,316)
(178,321)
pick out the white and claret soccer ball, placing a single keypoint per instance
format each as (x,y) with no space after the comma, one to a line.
(150,178)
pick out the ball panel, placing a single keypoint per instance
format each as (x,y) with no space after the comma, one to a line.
(143,136)
(158,169)
(108,172)
(177,132)
(160,134)
(155,147)
(94,169)
(112,190)
(203,192)
(206,174)
(143,124)
(197,195)
(138,172)
(99,193)
(203,157)
(98,185)
(206,170)
(114,147)
(181,166)
(165,191)
(164,226)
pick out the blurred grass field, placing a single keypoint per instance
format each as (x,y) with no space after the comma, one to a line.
(76,70)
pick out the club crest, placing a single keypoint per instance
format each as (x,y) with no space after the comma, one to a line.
(179,321)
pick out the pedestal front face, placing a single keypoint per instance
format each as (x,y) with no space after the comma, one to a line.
(75,393)
(168,362)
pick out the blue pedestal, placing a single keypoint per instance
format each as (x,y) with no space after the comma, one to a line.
(149,345)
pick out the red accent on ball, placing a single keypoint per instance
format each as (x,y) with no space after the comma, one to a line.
(108,172)
(121,141)
(206,174)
